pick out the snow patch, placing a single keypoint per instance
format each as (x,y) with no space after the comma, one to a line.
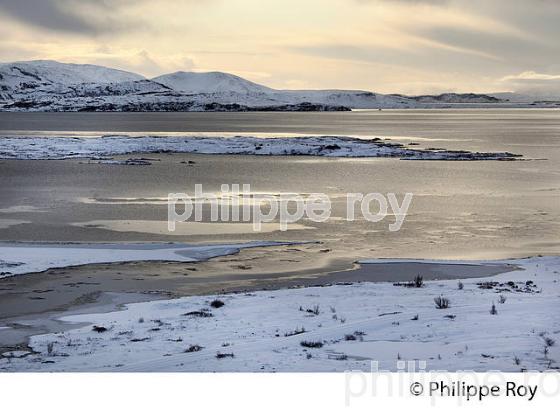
(43,147)
(17,259)
(264,330)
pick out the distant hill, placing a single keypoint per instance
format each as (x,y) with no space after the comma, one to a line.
(212,82)
(45,85)
(33,74)
(455,98)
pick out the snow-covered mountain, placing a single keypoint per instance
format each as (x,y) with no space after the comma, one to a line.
(526,98)
(32,80)
(212,82)
(44,85)
(454,98)
(347,98)
(41,73)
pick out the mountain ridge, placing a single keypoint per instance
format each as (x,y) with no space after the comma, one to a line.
(48,85)
(208,82)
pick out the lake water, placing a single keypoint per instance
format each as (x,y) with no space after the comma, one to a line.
(460,210)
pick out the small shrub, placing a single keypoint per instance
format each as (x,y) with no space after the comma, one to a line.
(199,313)
(493,310)
(487,285)
(297,331)
(143,339)
(549,342)
(450,316)
(311,344)
(357,335)
(415,317)
(517,360)
(315,310)
(224,355)
(460,285)
(441,302)
(217,303)
(99,329)
(50,348)
(141,320)
(417,282)
(193,348)
(502,299)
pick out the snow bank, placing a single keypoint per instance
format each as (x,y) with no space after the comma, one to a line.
(20,147)
(17,259)
(354,323)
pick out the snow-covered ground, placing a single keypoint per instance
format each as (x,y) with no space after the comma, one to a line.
(21,258)
(349,325)
(43,147)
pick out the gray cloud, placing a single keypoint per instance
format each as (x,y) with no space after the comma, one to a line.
(524,39)
(517,51)
(530,82)
(404,1)
(468,42)
(66,15)
(419,57)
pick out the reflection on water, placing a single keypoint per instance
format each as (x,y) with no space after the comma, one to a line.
(486,209)
(185,228)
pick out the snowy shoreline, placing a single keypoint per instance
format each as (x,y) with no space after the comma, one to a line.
(24,258)
(330,328)
(54,147)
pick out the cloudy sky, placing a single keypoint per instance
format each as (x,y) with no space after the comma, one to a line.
(401,46)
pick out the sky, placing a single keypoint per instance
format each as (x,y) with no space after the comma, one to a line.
(388,46)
